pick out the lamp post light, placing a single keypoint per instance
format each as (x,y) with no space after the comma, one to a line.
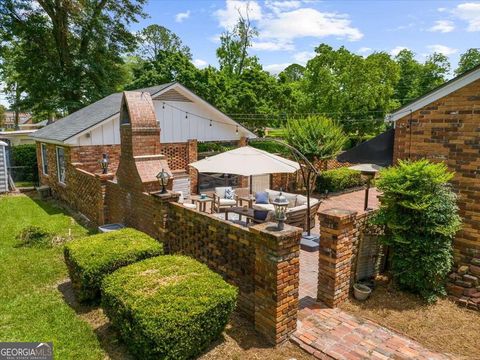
(163,178)
(104,163)
(280,204)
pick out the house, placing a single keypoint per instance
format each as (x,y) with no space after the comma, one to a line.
(17,137)
(24,119)
(83,136)
(442,125)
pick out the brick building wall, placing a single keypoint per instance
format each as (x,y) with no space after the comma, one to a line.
(81,190)
(88,157)
(448,130)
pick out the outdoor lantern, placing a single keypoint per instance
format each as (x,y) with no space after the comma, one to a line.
(163,177)
(280,204)
(104,163)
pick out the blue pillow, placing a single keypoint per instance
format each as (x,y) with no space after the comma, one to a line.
(261,197)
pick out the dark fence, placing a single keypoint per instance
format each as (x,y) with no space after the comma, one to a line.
(25,175)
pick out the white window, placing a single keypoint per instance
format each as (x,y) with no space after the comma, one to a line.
(44,159)
(61,166)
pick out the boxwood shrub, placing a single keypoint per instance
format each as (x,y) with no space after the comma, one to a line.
(338,180)
(167,307)
(90,259)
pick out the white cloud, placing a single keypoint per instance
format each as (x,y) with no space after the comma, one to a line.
(228,17)
(271,46)
(364,50)
(442,49)
(281,22)
(199,63)
(276,68)
(283,5)
(303,56)
(443,26)
(441,9)
(397,49)
(308,22)
(182,16)
(469,12)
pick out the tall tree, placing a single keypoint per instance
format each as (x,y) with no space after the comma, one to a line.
(156,38)
(408,86)
(69,52)
(2,116)
(468,61)
(233,51)
(434,73)
(351,89)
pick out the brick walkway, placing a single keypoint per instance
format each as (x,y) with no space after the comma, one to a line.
(334,334)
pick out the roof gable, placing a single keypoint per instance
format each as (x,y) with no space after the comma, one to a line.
(437,93)
(95,114)
(89,116)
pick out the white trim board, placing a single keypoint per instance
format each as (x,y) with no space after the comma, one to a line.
(442,91)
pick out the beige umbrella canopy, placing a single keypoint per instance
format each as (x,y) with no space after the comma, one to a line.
(246,161)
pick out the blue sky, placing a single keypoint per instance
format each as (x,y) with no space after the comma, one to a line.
(290,30)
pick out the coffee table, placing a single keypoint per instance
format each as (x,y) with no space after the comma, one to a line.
(241,211)
(202,202)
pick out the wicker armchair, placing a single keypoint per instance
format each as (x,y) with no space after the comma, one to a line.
(219,201)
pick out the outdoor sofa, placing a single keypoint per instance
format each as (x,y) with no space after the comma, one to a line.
(296,211)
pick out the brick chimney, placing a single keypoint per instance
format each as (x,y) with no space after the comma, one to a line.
(140,158)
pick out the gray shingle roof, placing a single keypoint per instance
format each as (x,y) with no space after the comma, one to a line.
(88,116)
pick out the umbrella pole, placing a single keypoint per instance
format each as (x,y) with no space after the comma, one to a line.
(251,177)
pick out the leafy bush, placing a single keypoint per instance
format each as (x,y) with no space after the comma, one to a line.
(338,180)
(214,146)
(270,146)
(91,258)
(168,307)
(316,137)
(26,156)
(419,212)
(34,236)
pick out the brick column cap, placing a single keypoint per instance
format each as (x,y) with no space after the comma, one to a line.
(105,177)
(270,230)
(338,213)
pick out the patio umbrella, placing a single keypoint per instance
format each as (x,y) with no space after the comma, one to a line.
(246,161)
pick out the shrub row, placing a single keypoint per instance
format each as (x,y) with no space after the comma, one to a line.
(168,307)
(90,259)
(338,180)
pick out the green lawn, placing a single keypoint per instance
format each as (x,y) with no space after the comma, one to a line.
(31,306)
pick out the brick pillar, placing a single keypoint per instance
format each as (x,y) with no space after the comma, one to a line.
(192,154)
(102,212)
(335,255)
(243,141)
(277,267)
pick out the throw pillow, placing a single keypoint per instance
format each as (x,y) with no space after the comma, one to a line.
(229,193)
(261,197)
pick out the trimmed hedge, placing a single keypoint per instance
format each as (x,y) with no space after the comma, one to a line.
(168,307)
(90,259)
(338,180)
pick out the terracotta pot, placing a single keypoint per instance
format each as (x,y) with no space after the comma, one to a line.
(361,292)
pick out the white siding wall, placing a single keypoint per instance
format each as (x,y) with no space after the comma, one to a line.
(3,170)
(174,126)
